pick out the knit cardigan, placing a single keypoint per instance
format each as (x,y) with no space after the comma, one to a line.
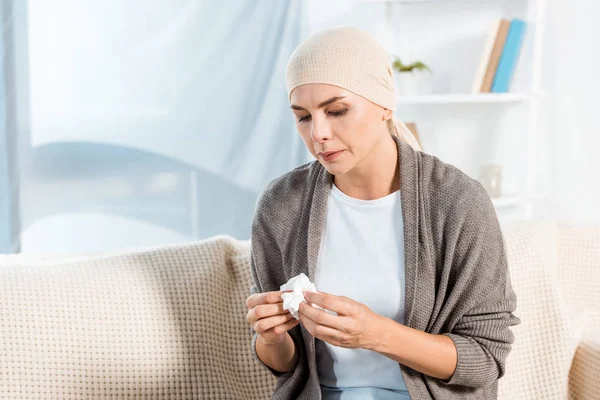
(457,278)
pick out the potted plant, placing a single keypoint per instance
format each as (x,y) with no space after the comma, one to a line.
(412,79)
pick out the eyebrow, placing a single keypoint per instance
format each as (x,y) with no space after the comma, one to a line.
(323,104)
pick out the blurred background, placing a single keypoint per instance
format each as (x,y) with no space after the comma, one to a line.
(141,122)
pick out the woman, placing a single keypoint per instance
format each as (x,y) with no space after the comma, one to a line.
(404,248)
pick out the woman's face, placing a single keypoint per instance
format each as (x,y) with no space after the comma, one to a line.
(330,118)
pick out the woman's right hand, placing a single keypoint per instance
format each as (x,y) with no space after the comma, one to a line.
(268,318)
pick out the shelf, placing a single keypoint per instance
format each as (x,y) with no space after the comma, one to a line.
(505,201)
(467,98)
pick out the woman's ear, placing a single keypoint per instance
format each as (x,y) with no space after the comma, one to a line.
(387,114)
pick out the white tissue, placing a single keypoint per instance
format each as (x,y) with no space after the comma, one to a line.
(291,301)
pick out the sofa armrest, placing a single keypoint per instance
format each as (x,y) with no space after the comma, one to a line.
(584,376)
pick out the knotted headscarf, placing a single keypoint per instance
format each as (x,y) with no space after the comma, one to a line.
(353,60)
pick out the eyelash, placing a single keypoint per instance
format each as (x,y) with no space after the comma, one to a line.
(335,114)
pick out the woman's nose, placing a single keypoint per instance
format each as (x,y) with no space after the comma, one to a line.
(320,130)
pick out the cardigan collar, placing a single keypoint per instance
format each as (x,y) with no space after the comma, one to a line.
(408,172)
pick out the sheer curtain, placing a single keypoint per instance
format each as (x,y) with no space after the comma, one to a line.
(150,121)
(9,191)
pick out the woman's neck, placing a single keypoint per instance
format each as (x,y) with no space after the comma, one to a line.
(377,176)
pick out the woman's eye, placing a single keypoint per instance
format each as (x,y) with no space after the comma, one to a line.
(333,113)
(338,113)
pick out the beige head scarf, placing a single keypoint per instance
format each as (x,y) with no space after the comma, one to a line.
(353,60)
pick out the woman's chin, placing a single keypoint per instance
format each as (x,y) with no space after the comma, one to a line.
(334,169)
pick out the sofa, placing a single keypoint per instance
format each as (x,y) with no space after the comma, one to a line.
(169,321)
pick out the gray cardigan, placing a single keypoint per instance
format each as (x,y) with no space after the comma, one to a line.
(457,278)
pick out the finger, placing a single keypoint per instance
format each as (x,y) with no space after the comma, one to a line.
(339,304)
(274,325)
(266,310)
(265,324)
(325,333)
(322,317)
(274,333)
(265,298)
(330,335)
(290,324)
(308,323)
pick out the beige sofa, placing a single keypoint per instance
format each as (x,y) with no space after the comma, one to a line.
(169,321)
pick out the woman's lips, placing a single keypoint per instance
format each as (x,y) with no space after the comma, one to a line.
(332,156)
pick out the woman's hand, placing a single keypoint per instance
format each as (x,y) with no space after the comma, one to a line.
(355,326)
(268,318)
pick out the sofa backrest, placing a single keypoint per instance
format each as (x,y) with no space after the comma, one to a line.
(162,322)
(171,321)
(545,341)
(579,274)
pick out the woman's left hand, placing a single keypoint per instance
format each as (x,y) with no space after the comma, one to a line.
(355,326)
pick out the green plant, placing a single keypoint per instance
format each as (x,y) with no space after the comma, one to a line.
(400,67)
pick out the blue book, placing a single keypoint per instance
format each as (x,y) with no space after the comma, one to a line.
(510,55)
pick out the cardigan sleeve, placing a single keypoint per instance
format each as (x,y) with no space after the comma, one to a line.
(255,289)
(267,275)
(482,334)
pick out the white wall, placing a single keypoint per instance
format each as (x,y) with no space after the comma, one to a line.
(574,78)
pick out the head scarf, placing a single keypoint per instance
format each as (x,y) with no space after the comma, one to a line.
(353,60)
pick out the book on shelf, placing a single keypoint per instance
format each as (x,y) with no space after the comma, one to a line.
(499,58)
(492,51)
(510,55)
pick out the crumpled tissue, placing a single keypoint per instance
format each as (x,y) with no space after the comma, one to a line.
(292,300)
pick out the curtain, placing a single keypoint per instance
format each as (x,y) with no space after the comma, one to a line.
(152,121)
(9,191)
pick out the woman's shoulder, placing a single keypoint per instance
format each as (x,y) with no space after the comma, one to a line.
(293,180)
(285,193)
(447,186)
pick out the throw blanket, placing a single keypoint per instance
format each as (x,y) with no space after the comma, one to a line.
(457,278)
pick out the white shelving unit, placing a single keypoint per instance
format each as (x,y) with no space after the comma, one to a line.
(467,98)
(506,201)
(526,98)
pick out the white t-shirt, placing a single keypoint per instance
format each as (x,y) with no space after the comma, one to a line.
(362,257)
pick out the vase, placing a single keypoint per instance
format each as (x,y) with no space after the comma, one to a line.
(490,176)
(413,83)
